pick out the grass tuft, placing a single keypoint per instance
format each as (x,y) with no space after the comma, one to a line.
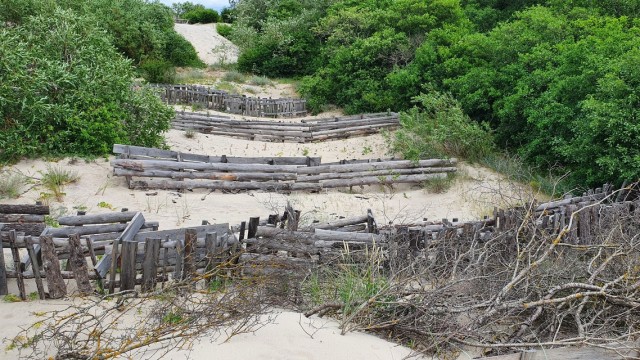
(11,184)
(55,178)
(260,81)
(234,76)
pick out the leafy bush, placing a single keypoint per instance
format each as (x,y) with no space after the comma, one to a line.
(227,15)
(201,15)
(65,90)
(224,30)
(180,52)
(439,128)
(158,71)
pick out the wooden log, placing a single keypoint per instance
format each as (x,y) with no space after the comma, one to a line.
(129,232)
(189,268)
(51,265)
(36,269)
(141,165)
(97,229)
(215,185)
(179,261)
(376,173)
(16,263)
(113,217)
(32,229)
(78,265)
(128,265)
(92,253)
(4,287)
(24,209)
(383,165)
(318,235)
(150,264)
(201,231)
(332,225)
(207,175)
(20,218)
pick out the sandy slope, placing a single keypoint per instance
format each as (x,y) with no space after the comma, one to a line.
(211,47)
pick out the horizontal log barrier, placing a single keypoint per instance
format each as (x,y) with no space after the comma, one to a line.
(21,218)
(311,238)
(105,218)
(310,130)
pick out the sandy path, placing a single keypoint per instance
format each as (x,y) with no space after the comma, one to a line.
(212,48)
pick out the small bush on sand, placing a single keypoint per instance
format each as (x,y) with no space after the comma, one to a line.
(11,184)
(55,178)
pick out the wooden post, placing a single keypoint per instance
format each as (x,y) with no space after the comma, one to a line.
(253,227)
(36,268)
(4,288)
(243,226)
(165,263)
(150,264)
(92,253)
(16,262)
(372,228)
(210,242)
(51,265)
(189,268)
(79,265)
(177,271)
(113,266)
(128,266)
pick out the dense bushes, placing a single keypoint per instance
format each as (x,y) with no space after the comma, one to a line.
(437,127)
(224,30)
(64,89)
(202,16)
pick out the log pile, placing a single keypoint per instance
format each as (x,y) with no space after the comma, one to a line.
(190,171)
(219,100)
(306,131)
(28,219)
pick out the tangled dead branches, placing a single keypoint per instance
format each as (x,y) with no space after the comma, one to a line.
(143,324)
(520,289)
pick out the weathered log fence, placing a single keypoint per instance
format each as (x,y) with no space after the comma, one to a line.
(219,100)
(190,171)
(305,131)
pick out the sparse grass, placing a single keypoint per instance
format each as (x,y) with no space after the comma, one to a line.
(197,107)
(260,81)
(251,91)
(11,184)
(191,76)
(440,185)
(235,76)
(227,86)
(55,178)
(190,133)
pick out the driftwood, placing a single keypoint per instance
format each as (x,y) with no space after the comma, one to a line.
(113,217)
(24,209)
(51,265)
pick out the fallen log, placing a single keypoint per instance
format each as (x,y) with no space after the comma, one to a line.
(95,229)
(113,217)
(24,209)
(385,172)
(207,175)
(310,238)
(212,185)
(383,165)
(140,165)
(20,218)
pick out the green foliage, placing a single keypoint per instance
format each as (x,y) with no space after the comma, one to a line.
(227,15)
(55,178)
(234,76)
(158,71)
(201,15)
(224,30)
(439,128)
(11,298)
(65,90)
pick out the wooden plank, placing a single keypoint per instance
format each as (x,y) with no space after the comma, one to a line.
(179,233)
(128,234)
(4,287)
(24,209)
(177,271)
(20,218)
(79,265)
(150,263)
(253,227)
(36,269)
(16,263)
(128,266)
(189,267)
(51,265)
(211,240)
(113,217)
(92,253)
(96,229)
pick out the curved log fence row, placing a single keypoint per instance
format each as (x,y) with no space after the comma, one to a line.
(219,100)
(306,131)
(266,174)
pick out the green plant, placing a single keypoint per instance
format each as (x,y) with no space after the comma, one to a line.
(105,205)
(439,185)
(234,76)
(33,296)
(11,298)
(305,152)
(55,178)
(190,133)
(224,30)
(173,318)
(51,221)
(158,71)
(197,107)
(11,184)
(216,285)
(260,81)
(366,150)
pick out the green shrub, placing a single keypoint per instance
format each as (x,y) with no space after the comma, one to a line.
(158,71)
(234,76)
(224,30)
(180,52)
(201,15)
(439,127)
(65,90)
(260,81)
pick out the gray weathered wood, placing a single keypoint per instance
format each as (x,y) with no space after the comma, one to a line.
(78,265)
(36,269)
(129,232)
(24,209)
(20,218)
(96,229)
(211,240)
(128,265)
(189,267)
(113,217)
(207,175)
(4,287)
(51,265)
(16,263)
(150,264)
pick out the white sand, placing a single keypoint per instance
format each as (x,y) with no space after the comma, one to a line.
(212,48)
